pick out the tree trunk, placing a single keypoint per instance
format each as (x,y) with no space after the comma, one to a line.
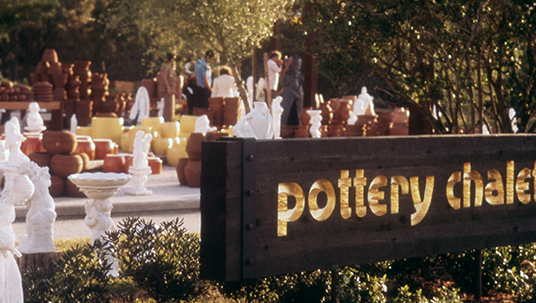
(240,85)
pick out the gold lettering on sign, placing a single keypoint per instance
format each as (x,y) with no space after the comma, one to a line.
(322,185)
(522,186)
(284,214)
(345,182)
(496,185)
(396,183)
(454,201)
(510,182)
(375,195)
(421,206)
(469,176)
(360,181)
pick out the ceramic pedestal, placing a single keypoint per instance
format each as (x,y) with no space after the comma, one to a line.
(139,177)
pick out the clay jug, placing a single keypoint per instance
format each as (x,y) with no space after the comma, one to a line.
(193,146)
(180,171)
(327,113)
(192,172)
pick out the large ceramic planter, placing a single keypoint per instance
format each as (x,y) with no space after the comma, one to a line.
(104,147)
(114,163)
(59,142)
(85,145)
(65,165)
(57,186)
(32,144)
(161,145)
(192,173)
(180,171)
(193,146)
(170,129)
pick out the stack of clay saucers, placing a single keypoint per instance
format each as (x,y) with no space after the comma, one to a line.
(43,91)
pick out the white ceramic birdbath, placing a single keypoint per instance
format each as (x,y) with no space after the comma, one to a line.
(100,187)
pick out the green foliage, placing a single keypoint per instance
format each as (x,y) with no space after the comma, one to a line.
(162,260)
(433,54)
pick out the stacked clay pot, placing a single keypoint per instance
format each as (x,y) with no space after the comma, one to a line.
(81,69)
(20,92)
(99,90)
(230,110)
(61,158)
(43,91)
(192,169)
(216,106)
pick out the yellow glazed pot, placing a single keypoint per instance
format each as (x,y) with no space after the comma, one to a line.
(188,124)
(154,123)
(107,128)
(170,129)
(83,131)
(161,145)
(175,153)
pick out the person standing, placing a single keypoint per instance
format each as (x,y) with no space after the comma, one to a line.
(275,72)
(224,85)
(203,73)
(166,87)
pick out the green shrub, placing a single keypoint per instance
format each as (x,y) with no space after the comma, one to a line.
(161,260)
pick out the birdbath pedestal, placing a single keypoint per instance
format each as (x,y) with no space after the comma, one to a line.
(99,187)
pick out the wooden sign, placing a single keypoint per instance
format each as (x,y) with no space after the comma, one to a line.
(271,207)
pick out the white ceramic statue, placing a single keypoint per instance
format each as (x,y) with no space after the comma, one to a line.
(140,109)
(362,106)
(41,213)
(142,142)
(34,121)
(257,124)
(74,124)
(277,111)
(140,168)
(13,142)
(4,152)
(316,122)
(21,189)
(512,116)
(202,125)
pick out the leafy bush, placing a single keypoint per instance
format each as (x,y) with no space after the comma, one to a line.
(162,260)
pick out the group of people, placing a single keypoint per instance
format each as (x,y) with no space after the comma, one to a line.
(199,86)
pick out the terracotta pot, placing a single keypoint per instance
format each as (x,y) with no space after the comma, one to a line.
(34,78)
(234,101)
(180,171)
(85,159)
(114,163)
(128,162)
(50,55)
(301,132)
(54,69)
(193,146)
(42,67)
(327,113)
(156,165)
(65,165)
(103,147)
(59,142)
(72,190)
(60,80)
(32,144)
(192,173)
(85,145)
(41,158)
(57,186)
(305,117)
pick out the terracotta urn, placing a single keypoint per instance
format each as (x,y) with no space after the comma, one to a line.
(41,158)
(155,164)
(180,171)
(302,131)
(327,112)
(72,190)
(65,165)
(193,146)
(57,186)
(192,173)
(59,142)
(305,117)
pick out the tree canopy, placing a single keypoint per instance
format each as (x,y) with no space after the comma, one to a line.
(447,58)
(232,28)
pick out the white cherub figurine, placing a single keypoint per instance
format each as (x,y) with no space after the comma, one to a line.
(202,125)
(362,106)
(277,111)
(41,212)
(142,142)
(160,106)
(13,142)
(316,122)
(34,121)
(74,124)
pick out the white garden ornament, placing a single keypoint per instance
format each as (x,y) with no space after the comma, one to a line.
(258,124)
(277,111)
(140,168)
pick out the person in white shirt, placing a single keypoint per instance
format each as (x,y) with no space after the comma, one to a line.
(224,85)
(275,72)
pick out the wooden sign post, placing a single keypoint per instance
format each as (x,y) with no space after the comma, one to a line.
(271,207)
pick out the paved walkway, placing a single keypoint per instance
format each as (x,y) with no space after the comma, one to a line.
(168,201)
